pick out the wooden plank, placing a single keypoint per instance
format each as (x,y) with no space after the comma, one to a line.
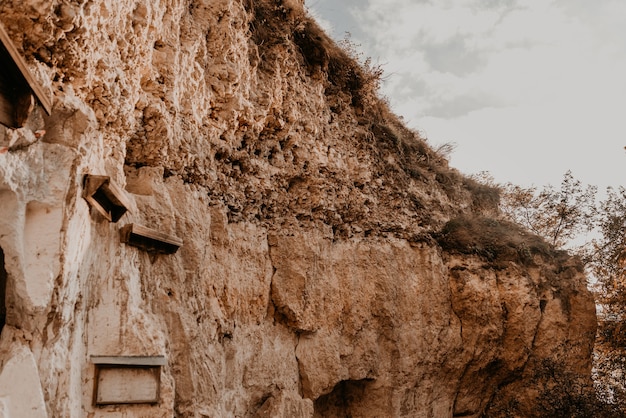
(149,239)
(127,385)
(130,360)
(156,235)
(21,66)
(117,195)
(92,182)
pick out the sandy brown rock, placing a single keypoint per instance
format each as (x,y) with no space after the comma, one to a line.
(332,264)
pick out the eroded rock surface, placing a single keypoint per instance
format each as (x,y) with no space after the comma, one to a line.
(332,264)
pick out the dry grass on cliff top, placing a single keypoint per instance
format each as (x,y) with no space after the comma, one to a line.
(495,240)
(418,161)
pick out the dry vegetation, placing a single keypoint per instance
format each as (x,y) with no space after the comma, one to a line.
(561,394)
(494,240)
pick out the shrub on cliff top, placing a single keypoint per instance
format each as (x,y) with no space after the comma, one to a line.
(494,240)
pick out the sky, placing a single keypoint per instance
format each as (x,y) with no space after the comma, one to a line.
(524,89)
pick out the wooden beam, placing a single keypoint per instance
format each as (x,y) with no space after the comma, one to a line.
(149,239)
(130,360)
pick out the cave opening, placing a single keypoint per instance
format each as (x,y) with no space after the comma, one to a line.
(345,400)
(3,287)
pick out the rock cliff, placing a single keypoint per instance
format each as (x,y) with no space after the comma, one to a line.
(332,264)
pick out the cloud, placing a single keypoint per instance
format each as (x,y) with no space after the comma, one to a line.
(454,107)
(454,55)
(522,86)
(430,45)
(336,19)
(495,4)
(500,52)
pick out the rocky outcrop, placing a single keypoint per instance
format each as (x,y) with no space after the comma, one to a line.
(332,264)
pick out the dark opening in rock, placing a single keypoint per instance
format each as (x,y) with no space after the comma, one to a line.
(3,287)
(345,397)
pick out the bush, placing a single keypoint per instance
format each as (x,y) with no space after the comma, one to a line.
(494,240)
(570,397)
(560,394)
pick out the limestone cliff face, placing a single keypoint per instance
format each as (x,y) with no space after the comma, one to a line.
(332,264)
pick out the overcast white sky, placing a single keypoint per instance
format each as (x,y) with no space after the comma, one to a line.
(526,89)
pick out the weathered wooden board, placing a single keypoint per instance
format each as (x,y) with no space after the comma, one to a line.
(129,360)
(127,384)
(149,239)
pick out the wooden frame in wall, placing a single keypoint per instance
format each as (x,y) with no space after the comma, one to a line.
(103,195)
(121,380)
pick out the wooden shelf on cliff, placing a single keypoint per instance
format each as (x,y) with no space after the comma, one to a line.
(127,379)
(103,195)
(149,239)
(149,361)
(17,86)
